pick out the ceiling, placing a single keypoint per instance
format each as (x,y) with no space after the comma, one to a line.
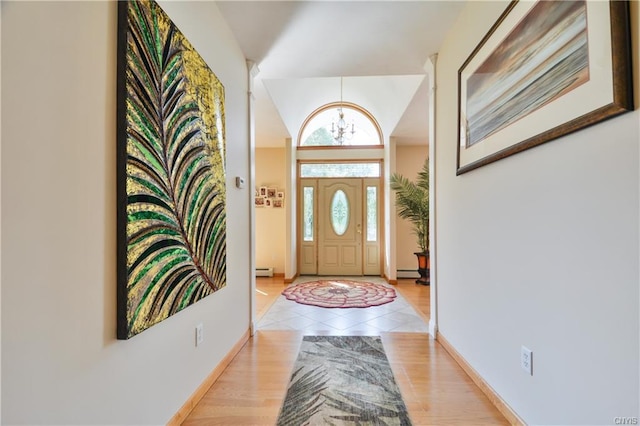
(303,48)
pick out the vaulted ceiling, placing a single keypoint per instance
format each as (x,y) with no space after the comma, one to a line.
(302,48)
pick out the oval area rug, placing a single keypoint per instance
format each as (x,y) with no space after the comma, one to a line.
(340,294)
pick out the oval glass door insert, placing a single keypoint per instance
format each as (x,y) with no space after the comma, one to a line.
(339,212)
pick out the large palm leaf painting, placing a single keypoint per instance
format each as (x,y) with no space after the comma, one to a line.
(171,171)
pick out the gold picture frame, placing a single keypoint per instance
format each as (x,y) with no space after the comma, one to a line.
(542,71)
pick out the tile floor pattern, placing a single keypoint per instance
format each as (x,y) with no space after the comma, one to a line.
(398,316)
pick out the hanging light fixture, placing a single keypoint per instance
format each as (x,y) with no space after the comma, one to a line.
(340,129)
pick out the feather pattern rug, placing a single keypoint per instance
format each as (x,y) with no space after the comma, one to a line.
(342,380)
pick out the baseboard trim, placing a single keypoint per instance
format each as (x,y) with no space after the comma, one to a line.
(493,396)
(278,274)
(290,280)
(392,282)
(193,400)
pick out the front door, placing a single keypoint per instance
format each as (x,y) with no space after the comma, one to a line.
(339,226)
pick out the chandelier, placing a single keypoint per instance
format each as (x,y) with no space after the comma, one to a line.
(340,129)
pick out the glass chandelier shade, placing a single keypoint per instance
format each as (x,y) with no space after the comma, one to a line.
(340,130)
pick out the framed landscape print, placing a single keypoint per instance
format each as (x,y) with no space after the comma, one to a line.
(545,69)
(170,171)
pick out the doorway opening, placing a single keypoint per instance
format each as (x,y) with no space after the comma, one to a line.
(339,219)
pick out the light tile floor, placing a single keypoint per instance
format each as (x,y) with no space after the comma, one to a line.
(396,316)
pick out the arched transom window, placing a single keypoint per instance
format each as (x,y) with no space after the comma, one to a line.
(340,124)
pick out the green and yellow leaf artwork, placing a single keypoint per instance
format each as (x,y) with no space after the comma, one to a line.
(171,171)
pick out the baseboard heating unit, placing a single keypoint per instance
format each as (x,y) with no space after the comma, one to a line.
(264,272)
(407,273)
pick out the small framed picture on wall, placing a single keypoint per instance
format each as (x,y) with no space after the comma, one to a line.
(259,201)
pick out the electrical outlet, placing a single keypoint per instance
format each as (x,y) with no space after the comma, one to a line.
(526,360)
(199,334)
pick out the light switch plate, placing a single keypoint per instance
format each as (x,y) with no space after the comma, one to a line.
(199,334)
(526,360)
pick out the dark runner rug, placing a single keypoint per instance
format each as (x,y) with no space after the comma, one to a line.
(342,380)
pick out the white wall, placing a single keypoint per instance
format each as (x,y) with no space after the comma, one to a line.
(541,249)
(0,227)
(409,162)
(271,222)
(389,256)
(61,361)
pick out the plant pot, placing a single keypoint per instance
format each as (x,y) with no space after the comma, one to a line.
(423,267)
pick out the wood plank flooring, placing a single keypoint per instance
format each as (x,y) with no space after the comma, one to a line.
(435,389)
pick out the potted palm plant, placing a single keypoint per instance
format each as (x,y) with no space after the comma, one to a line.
(412,203)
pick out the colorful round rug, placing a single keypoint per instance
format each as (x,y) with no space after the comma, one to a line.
(340,294)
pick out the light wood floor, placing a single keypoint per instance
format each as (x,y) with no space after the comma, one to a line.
(435,389)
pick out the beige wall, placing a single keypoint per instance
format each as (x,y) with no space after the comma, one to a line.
(61,362)
(409,161)
(271,222)
(541,249)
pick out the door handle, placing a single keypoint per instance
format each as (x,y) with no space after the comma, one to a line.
(359,229)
